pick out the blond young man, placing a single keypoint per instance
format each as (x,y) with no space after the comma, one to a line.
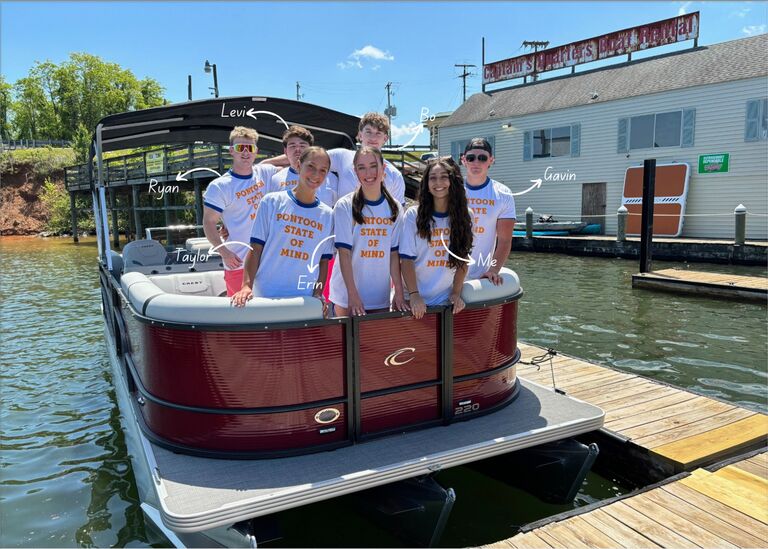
(233,199)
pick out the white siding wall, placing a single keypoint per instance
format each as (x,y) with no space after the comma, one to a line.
(720,120)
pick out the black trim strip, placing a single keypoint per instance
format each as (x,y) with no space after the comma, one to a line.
(446,354)
(227,411)
(493,302)
(357,409)
(146,303)
(401,388)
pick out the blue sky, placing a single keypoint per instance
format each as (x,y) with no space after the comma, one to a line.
(342,53)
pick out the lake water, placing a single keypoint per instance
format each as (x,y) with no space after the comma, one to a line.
(66,479)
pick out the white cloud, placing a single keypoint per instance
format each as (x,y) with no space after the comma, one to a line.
(751,30)
(740,13)
(366,53)
(406,130)
(684,8)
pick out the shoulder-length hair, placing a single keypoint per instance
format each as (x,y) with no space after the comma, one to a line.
(458,211)
(358,199)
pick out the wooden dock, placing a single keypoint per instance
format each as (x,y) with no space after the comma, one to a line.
(676,428)
(726,506)
(723,508)
(729,286)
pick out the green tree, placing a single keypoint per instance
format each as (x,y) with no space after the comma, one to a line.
(5,109)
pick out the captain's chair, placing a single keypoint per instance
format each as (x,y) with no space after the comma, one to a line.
(142,253)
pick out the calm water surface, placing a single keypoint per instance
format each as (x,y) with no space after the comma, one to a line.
(66,479)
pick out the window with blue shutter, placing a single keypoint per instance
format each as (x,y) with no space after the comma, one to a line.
(756,123)
(528,145)
(575,139)
(623,144)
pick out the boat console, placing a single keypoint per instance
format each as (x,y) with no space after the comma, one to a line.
(275,378)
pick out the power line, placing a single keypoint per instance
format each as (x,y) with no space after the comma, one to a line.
(464,76)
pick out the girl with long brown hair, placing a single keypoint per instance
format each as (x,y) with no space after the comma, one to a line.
(437,239)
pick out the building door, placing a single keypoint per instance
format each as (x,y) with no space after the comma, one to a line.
(593,204)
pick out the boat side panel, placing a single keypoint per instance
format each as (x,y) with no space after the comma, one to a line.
(479,394)
(273,432)
(398,351)
(240,369)
(484,338)
(401,409)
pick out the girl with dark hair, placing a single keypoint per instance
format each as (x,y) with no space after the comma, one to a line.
(367,226)
(437,239)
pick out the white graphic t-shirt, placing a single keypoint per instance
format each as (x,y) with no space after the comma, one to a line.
(288,178)
(371,245)
(236,198)
(489,202)
(433,275)
(341,163)
(294,235)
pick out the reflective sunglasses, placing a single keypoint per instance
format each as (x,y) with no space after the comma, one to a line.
(479,157)
(240,147)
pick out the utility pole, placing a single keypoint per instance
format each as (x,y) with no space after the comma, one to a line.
(189,87)
(463,76)
(298,95)
(535,44)
(390,111)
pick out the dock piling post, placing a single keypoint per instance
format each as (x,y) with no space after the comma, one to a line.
(621,232)
(740,213)
(646,231)
(113,204)
(529,222)
(73,212)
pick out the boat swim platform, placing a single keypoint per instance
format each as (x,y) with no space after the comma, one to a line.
(198,493)
(670,429)
(751,288)
(725,506)
(753,252)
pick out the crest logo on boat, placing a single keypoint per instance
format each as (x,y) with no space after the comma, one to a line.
(327,415)
(391,360)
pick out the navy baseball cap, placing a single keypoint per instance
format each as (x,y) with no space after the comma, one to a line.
(479,143)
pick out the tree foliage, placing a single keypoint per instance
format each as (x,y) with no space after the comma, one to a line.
(58,101)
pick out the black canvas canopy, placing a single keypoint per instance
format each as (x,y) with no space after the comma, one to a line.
(211,120)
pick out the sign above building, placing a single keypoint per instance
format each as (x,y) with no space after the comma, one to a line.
(652,35)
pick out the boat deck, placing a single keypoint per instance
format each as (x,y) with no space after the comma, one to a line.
(674,426)
(697,282)
(723,508)
(198,493)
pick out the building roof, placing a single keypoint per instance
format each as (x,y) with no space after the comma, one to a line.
(724,62)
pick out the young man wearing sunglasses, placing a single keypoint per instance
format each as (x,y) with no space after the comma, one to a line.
(233,199)
(494,212)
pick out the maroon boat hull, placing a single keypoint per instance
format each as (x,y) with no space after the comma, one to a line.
(242,391)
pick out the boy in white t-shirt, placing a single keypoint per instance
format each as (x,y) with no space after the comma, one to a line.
(291,239)
(493,206)
(373,131)
(296,140)
(233,199)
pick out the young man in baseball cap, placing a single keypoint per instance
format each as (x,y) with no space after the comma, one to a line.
(493,207)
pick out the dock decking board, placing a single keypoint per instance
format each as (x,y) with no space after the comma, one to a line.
(701,510)
(698,282)
(678,426)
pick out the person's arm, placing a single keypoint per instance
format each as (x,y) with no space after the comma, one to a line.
(398,301)
(355,304)
(210,218)
(252,261)
(504,228)
(322,276)
(458,282)
(279,161)
(408,269)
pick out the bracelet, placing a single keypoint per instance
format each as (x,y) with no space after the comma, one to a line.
(413,292)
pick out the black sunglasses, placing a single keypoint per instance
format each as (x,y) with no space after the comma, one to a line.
(479,157)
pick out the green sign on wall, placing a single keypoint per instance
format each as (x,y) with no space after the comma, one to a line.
(713,163)
(155,162)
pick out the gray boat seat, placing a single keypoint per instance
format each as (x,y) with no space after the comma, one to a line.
(210,283)
(152,301)
(482,290)
(141,253)
(200,244)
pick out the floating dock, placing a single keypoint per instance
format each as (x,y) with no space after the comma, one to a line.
(752,288)
(674,433)
(727,507)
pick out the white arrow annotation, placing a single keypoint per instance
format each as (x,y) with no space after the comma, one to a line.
(183,176)
(469,261)
(536,185)
(415,135)
(227,244)
(252,113)
(310,268)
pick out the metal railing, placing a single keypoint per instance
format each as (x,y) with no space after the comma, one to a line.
(13,144)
